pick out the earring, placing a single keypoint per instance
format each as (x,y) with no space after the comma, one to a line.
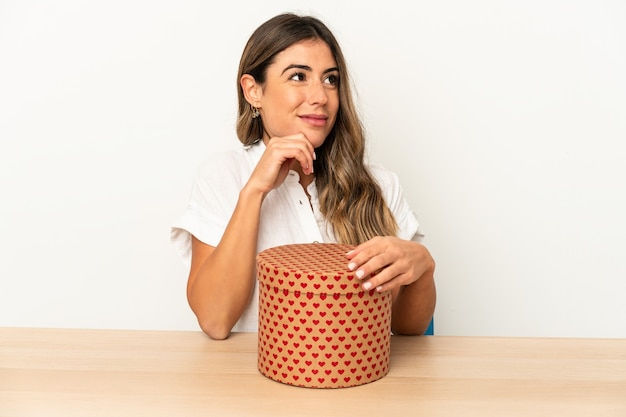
(255,112)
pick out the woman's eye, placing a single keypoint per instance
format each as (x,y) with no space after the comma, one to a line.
(298,76)
(332,79)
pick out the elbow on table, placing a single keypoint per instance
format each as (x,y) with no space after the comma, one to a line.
(216,331)
(409,330)
(216,326)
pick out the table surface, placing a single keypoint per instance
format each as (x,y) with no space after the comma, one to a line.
(69,372)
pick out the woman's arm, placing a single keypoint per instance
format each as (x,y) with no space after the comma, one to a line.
(414,305)
(222,278)
(218,298)
(405,268)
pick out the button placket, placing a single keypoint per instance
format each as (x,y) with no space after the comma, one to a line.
(303,207)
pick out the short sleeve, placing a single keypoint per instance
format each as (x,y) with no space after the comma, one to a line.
(212,201)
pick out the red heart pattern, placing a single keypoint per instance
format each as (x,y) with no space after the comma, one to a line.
(317,327)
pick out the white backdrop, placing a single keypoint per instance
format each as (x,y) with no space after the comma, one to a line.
(506,122)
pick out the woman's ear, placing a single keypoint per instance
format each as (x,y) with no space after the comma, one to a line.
(251,90)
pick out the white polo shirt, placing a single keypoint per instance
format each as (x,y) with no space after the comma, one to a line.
(286,216)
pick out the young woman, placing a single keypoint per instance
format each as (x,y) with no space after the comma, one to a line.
(301,177)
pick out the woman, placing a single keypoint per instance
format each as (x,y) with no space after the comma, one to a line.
(300,178)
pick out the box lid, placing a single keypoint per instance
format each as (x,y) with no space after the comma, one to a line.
(309,268)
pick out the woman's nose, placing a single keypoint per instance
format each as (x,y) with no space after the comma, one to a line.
(317,93)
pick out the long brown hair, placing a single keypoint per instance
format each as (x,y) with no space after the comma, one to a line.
(350,198)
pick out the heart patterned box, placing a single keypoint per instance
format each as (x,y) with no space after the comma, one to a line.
(318,328)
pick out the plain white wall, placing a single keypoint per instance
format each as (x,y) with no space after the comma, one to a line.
(506,122)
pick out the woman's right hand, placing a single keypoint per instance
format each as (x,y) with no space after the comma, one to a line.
(276,161)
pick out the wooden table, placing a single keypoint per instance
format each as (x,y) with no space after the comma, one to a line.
(55,372)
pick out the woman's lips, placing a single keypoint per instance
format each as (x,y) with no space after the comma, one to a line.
(314,119)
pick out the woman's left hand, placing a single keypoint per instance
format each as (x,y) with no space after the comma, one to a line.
(393,261)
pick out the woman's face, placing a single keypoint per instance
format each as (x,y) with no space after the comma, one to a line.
(301,93)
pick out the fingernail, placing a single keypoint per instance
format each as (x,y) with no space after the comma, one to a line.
(367,285)
(351,266)
(379,288)
(360,274)
(314,156)
(350,252)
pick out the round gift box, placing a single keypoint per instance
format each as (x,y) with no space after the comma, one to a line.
(317,327)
